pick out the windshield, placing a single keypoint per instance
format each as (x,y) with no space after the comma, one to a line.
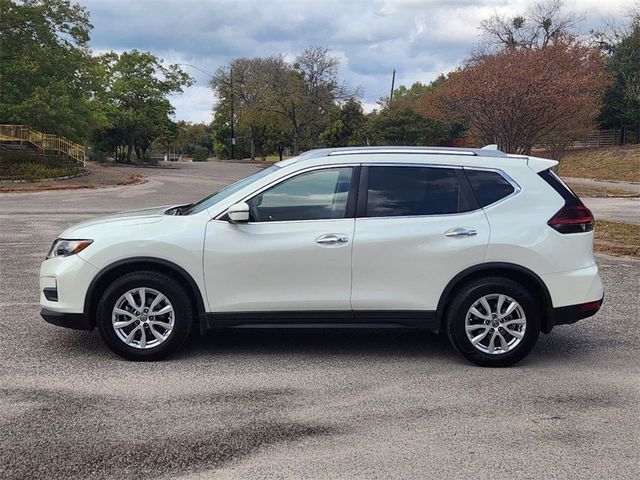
(228,191)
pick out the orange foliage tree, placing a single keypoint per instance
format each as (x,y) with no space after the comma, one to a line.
(520,97)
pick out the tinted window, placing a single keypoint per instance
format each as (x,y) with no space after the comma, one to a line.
(489,187)
(316,195)
(399,191)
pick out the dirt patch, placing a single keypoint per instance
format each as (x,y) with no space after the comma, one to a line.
(99,175)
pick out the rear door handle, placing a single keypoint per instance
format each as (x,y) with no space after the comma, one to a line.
(332,239)
(461,232)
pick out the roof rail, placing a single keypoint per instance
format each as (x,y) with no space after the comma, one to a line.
(479,152)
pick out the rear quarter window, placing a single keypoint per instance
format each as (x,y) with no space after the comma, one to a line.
(489,187)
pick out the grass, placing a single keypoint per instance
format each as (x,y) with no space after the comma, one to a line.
(598,191)
(276,158)
(269,158)
(616,238)
(19,166)
(620,164)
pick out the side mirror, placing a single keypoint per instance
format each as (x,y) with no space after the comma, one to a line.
(238,213)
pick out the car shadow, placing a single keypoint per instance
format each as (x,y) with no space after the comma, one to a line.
(409,343)
(563,344)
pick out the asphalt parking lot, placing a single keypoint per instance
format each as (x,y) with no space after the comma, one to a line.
(300,404)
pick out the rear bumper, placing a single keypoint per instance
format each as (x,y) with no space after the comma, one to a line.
(77,321)
(572,313)
(574,287)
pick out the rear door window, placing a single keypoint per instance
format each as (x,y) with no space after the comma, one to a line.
(406,190)
(488,186)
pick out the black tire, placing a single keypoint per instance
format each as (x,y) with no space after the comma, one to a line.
(472,292)
(167,286)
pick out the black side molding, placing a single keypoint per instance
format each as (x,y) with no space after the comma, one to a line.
(77,321)
(329,319)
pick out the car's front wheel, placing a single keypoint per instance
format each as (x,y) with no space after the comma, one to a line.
(493,322)
(144,316)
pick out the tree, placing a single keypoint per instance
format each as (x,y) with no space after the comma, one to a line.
(189,136)
(517,96)
(621,100)
(401,124)
(543,23)
(348,127)
(46,71)
(222,133)
(246,84)
(321,89)
(135,98)
(304,94)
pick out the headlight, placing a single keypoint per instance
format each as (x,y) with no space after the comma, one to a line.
(64,248)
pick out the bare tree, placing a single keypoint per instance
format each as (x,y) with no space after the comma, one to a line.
(543,22)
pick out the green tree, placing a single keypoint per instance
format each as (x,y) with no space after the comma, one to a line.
(135,98)
(621,100)
(401,124)
(222,134)
(46,71)
(190,136)
(304,94)
(348,128)
(245,84)
(401,121)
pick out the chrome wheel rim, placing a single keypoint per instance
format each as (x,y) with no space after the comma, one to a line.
(143,318)
(495,324)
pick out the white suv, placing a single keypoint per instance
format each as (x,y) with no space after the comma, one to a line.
(490,248)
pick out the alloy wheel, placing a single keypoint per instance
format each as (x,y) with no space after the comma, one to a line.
(143,318)
(495,324)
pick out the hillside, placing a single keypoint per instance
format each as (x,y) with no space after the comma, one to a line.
(613,163)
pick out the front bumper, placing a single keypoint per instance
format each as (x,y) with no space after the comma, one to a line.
(64,282)
(77,321)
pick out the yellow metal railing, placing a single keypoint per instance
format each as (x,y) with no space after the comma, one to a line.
(44,142)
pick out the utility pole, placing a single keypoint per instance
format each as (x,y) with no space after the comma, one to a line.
(393,82)
(233,134)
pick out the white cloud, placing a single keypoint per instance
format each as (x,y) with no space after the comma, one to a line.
(194,105)
(418,38)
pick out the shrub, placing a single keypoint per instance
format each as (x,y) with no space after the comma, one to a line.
(25,166)
(200,154)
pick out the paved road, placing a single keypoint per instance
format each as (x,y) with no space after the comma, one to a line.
(625,210)
(630,187)
(301,404)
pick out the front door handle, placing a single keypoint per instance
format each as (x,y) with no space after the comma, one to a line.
(461,232)
(332,239)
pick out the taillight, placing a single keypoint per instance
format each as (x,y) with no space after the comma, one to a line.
(572,219)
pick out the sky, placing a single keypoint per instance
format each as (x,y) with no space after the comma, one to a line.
(418,38)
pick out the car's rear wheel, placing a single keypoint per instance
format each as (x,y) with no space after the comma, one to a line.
(493,321)
(144,316)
